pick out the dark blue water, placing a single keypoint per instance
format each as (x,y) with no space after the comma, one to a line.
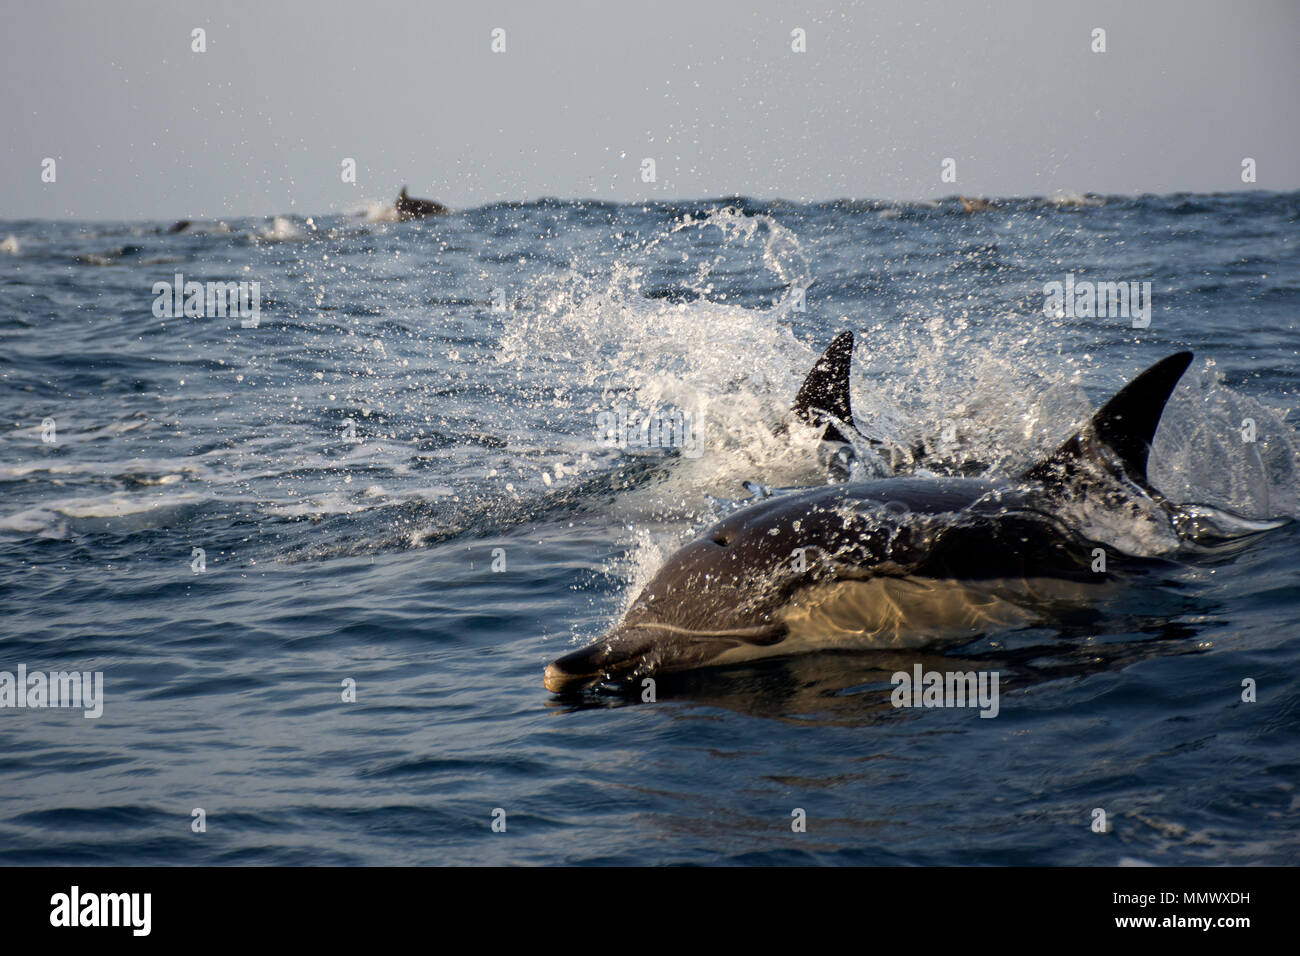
(472,355)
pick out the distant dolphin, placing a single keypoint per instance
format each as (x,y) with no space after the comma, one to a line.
(408,208)
(191,226)
(896,562)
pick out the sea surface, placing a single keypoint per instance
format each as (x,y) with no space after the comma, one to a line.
(395,484)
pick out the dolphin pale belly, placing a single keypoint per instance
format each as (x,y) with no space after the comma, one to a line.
(890,563)
(898,613)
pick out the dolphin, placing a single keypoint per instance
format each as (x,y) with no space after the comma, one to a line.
(898,562)
(823,402)
(409,208)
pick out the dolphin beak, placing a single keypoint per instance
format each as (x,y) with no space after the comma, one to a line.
(620,654)
(633,651)
(557,678)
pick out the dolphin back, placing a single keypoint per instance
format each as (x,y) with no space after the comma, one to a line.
(1118,437)
(824,394)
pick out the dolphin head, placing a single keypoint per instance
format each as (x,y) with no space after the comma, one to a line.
(720,591)
(623,654)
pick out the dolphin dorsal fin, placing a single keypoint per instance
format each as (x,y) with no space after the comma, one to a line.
(1119,435)
(826,389)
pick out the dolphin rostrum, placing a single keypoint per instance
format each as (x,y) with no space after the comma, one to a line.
(891,563)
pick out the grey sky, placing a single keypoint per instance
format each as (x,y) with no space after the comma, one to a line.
(141,127)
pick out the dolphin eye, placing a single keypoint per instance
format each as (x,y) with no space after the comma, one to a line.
(720,539)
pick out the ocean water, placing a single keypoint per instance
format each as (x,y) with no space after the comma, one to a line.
(397,481)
